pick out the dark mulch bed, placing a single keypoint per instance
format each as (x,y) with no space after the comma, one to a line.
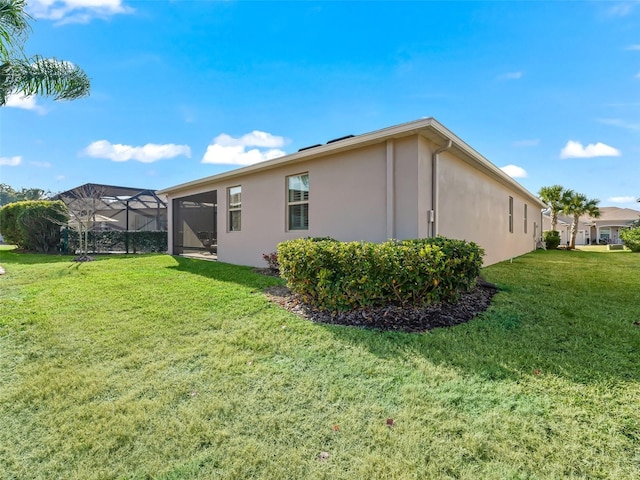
(393,317)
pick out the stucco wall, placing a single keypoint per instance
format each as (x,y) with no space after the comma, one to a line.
(347,201)
(475,207)
(350,198)
(406,190)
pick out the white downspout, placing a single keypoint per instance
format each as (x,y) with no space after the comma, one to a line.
(433,215)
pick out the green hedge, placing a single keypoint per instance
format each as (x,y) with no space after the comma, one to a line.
(340,276)
(9,223)
(117,241)
(33,224)
(631,238)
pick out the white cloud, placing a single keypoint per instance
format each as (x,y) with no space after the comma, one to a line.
(576,150)
(510,76)
(228,150)
(514,171)
(76,11)
(10,161)
(40,164)
(526,143)
(60,177)
(627,199)
(18,100)
(616,122)
(148,153)
(253,139)
(621,9)
(633,47)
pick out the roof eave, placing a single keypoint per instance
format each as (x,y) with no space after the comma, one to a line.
(401,130)
(424,125)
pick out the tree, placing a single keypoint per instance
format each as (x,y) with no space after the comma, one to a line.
(631,238)
(36,75)
(555,198)
(10,195)
(576,205)
(83,204)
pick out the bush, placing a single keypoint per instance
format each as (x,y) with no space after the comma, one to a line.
(9,223)
(551,239)
(336,276)
(272,261)
(33,225)
(631,238)
(118,241)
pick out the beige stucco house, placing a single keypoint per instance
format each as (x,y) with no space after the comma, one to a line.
(604,229)
(413,180)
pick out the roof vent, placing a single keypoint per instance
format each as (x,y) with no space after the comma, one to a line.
(341,138)
(310,146)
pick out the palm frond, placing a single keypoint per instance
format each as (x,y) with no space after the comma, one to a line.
(43,76)
(14,27)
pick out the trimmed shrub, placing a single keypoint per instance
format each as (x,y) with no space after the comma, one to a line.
(143,241)
(340,276)
(8,226)
(631,238)
(551,239)
(39,224)
(33,224)
(118,241)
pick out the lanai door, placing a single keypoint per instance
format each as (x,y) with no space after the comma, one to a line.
(195,223)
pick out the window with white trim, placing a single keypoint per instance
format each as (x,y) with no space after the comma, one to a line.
(298,202)
(234,205)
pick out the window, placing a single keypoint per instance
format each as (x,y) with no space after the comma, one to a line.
(525,218)
(235,208)
(298,202)
(510,214)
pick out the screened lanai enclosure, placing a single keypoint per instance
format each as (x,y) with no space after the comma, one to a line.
(114,219)
(116,208)
(194,223)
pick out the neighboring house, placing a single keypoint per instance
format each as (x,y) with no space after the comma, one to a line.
(605,229)
(117,208)
(413,180)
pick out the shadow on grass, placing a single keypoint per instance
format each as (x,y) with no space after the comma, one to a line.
(19,257)
(570,314)
(225,272)
(502,345)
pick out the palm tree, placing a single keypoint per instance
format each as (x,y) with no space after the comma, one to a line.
(555,198)
(577,205)
(36,75)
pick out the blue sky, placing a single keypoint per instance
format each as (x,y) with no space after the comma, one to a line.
(185,89)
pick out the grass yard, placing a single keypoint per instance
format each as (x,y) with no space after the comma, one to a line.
(155,367)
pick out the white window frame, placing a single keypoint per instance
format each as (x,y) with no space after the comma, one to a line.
(237,207)
(296,203)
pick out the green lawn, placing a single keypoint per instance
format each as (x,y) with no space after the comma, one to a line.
(158,367)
